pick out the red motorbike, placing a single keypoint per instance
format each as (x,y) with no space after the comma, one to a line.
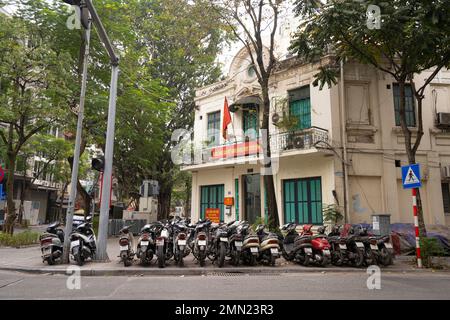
(321,247)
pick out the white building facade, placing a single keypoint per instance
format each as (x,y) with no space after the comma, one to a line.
(306,126)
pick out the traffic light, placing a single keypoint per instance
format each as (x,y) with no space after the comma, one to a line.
(98,164)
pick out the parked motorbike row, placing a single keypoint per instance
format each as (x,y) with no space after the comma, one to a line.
(178,238)
(82,242)
(357,249)
(163,240)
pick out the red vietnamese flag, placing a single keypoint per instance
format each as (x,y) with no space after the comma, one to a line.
(226,119)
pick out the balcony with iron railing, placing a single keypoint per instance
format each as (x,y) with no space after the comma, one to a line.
(244,150)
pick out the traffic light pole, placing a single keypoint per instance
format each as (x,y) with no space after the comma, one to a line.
(107,174)
(76,153)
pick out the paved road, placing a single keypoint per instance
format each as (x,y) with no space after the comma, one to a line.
(15,285)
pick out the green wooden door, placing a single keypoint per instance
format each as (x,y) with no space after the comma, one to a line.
(212,197)
(250,124)
(301,109)
(303,201)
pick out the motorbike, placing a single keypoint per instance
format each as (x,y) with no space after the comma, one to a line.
(163,244)
(338,246)
(234,243)
(355,249)
(83,243)
(370,246)
(52,243)
(126,246)
(219,244)
(146,246)
(321,253)
(199,242)
(295,247)
(250,246)
(269,245)
(385,251)
(180,248)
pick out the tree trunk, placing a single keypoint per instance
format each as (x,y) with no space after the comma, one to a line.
(272,209)
(164,198)
(11,209)
(410,151)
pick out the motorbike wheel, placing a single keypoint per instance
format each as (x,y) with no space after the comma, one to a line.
(306,260)
(143,258)
(127,262)
(324,262)
(50,260)
(235,259)
(272,260)
(385,257)
(359,259)
(252,260)
(222,252)
(201,259)
(337,259)
(79,258)
(285,255)
(180,259)
(160,255)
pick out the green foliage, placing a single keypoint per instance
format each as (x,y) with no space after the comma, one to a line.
(430,247)
(414,36)
(19,239)
(331,213)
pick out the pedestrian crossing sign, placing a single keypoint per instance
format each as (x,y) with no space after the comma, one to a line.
(411,176)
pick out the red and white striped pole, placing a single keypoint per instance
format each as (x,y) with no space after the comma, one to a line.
(416,227)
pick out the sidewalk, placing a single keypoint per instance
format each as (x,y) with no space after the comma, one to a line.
(28,259)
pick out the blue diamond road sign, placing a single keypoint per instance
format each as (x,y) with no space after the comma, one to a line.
(411,176)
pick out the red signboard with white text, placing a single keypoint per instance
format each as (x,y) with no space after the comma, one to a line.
(236,150)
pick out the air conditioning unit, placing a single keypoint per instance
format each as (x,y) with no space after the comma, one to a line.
(445,172)
(443,119)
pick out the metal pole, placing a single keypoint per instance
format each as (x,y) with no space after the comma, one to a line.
(344,144)
(416,227)
(76,153)
(107,174)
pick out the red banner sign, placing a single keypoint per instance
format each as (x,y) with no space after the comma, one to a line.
(236,150)
(213,214)
(2,174)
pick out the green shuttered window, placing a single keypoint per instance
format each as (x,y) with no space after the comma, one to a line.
(211,197)
(303,201)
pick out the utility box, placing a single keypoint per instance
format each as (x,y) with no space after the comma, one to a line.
(381,224)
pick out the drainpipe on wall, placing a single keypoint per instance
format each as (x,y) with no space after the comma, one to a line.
(344,143)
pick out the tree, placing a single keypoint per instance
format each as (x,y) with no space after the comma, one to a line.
(414,36)
(32,91)
(52,151)
(251,21)
(183,46)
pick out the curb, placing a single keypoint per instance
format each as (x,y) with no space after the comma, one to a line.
(130,271)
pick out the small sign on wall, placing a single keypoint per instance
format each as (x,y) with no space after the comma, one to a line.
(213,214)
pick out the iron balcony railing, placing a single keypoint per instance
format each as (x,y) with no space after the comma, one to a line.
(282,141)
(298,139)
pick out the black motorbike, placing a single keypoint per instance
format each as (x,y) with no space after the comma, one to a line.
(179,240)
(218,245)
(83,243)
(146,245)
(126,246)
(295,247)
(338,246)
(235,242)
(199,240)
(52,243)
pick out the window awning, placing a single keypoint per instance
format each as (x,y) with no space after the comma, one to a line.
(246,102)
